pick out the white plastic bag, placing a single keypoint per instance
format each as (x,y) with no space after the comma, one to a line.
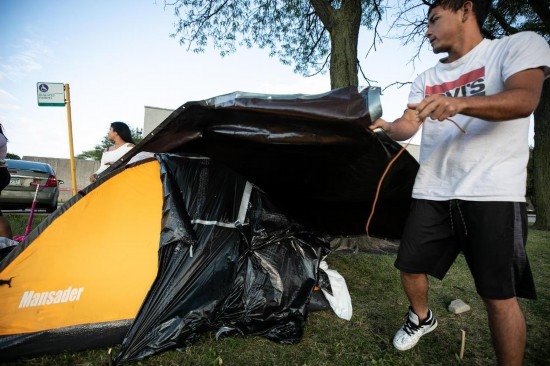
(340,300)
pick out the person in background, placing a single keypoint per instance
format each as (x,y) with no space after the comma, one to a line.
(5,227)
(120,134)
(474,106)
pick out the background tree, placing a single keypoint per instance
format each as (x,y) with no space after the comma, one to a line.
(13,156)
(509,17)
(530,193)
(314,36)
(506,17)
(96,153)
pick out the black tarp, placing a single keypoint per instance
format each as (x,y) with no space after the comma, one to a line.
(229,261)
(312,154)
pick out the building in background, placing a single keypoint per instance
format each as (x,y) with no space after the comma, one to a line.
(153,116)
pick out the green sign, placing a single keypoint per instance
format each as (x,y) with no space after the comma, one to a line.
(50,94)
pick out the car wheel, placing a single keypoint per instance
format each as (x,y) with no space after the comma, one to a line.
(51,208)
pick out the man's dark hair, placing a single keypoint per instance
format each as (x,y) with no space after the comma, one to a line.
(481,8)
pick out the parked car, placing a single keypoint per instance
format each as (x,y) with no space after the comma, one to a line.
(19,194)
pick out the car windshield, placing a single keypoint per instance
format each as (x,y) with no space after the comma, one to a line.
(27,165)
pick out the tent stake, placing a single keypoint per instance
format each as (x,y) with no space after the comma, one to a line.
(462,343)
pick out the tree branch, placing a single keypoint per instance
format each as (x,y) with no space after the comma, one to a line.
(399,84)
(364,76)
(502,22)
(376,35)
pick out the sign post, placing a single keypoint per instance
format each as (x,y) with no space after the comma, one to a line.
(58,95)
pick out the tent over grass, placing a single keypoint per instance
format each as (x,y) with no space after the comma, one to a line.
(223,230)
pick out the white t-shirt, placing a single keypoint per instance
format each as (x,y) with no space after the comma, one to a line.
(110,157)
(488,163)
(3,149)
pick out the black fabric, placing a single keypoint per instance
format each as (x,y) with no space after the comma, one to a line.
(4,177)
(313,155)
(68,339)
(4,180)
(492,236)
(222,271)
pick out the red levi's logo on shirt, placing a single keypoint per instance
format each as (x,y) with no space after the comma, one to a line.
(469,84)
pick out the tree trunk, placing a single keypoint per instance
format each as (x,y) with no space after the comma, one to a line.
(343,26)
(541,157)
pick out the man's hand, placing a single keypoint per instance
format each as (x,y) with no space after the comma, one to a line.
(519,99)
(380,123)
(437,107)
(401,129)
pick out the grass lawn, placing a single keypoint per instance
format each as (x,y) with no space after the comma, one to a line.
(378,309)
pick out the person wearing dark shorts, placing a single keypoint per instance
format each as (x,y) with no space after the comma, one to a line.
(5,227)
(491,235)
(474,107)
(4,175)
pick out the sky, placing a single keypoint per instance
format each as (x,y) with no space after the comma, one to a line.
(118,57)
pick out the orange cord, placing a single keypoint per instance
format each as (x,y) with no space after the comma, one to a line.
(380,183)
(388,168)
(457,125)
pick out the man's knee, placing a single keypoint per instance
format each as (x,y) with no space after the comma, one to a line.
(413,276)
(502,307)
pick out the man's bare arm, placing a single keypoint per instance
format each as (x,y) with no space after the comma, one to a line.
(402,128)
(519,99)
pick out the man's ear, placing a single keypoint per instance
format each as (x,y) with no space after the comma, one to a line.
(467,10)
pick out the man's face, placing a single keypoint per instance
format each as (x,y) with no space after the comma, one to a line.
(443,28)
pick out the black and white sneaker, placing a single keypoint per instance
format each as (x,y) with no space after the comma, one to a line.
(408,336)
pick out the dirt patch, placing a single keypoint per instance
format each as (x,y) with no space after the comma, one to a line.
(365,243)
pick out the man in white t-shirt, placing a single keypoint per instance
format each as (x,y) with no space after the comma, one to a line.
(469,194)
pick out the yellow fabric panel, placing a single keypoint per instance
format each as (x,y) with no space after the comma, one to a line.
(94,263)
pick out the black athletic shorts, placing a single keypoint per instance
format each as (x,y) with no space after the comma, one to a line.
(4,180)
(491,235)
